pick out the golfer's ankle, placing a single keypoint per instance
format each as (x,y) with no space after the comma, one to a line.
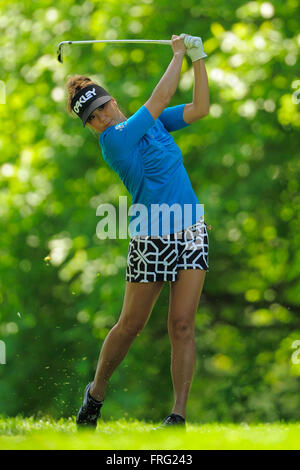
(95,394)
(179,411)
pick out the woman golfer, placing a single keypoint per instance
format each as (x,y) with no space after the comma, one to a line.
(142,152)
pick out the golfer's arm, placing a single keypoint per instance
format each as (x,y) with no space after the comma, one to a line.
(200,105)
(166,87)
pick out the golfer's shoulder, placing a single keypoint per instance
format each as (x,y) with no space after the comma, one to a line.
(111,139)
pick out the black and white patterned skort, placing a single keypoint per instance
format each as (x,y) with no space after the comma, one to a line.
(159,258)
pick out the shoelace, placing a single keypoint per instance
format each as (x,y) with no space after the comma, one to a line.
(173,419)
(170,419)
(92,408)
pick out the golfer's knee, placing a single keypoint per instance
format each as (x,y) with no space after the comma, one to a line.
(130,328)
(181,330)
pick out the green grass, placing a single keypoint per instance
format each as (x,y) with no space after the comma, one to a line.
(46,433)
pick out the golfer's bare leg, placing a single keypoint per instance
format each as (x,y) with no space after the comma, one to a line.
(138,303)
(184,299)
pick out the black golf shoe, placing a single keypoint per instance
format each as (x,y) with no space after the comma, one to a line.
(173,420)
(89,412)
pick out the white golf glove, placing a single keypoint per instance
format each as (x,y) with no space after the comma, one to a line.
(194,47)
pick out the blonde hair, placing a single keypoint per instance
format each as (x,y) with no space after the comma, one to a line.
(73,85)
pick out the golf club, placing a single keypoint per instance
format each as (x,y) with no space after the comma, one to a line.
(196,43)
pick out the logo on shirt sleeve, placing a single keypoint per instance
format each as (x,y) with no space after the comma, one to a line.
(121,126)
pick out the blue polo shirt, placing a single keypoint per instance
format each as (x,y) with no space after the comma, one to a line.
(148,161)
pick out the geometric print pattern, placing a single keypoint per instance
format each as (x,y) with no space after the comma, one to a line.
(158,258)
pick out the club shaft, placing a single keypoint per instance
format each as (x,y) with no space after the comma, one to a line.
(167,42)
(144,41)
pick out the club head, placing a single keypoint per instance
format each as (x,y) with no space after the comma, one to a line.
(59,54)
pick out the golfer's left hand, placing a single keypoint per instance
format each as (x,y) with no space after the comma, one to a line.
(194,52)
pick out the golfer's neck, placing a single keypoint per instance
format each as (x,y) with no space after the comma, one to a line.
(121,117)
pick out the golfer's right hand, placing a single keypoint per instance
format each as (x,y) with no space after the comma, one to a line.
(178,44)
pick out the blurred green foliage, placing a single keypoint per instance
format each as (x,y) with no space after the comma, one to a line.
(62,288)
